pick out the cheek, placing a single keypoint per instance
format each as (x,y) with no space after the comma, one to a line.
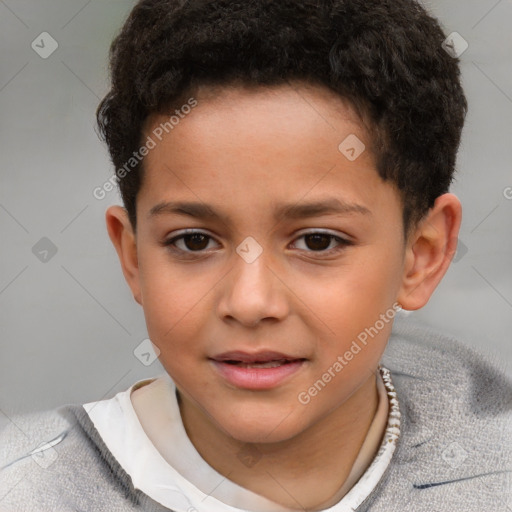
(354,295)
(171,306)
(356,313)
(172,294)
(377,273)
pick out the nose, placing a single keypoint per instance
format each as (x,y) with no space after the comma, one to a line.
(253,291)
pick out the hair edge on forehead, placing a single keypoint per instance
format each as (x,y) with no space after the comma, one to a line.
(383,57)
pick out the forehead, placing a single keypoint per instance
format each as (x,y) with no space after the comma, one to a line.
(298,100)
(263,146)
(295,122)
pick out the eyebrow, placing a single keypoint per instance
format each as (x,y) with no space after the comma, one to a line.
(331,206)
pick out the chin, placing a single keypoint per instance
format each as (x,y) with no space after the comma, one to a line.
(262,428)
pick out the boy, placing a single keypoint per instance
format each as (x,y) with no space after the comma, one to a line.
(243,134)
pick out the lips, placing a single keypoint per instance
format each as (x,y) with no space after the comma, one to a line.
(256,359)
(256,371)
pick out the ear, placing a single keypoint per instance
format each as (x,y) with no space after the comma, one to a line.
(122,236)
(429,252)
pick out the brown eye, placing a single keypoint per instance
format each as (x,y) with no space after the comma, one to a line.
(318,242)
(192,242)
(196,242)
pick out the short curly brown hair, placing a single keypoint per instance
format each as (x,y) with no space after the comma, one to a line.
(384,56)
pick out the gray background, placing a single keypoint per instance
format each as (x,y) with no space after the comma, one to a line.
(69,325)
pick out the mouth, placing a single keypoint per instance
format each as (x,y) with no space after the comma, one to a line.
(261,364)
(257,359)
(261,370)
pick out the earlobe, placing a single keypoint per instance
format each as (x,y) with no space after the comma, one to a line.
(123,238)
(429,252)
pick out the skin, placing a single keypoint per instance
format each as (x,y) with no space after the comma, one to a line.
(242,152)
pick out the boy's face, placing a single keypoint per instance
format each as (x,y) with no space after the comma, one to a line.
(245,154)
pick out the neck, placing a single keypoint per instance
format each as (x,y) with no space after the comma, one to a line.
(304,472)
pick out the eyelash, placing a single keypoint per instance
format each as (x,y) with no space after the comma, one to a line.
(343,243)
